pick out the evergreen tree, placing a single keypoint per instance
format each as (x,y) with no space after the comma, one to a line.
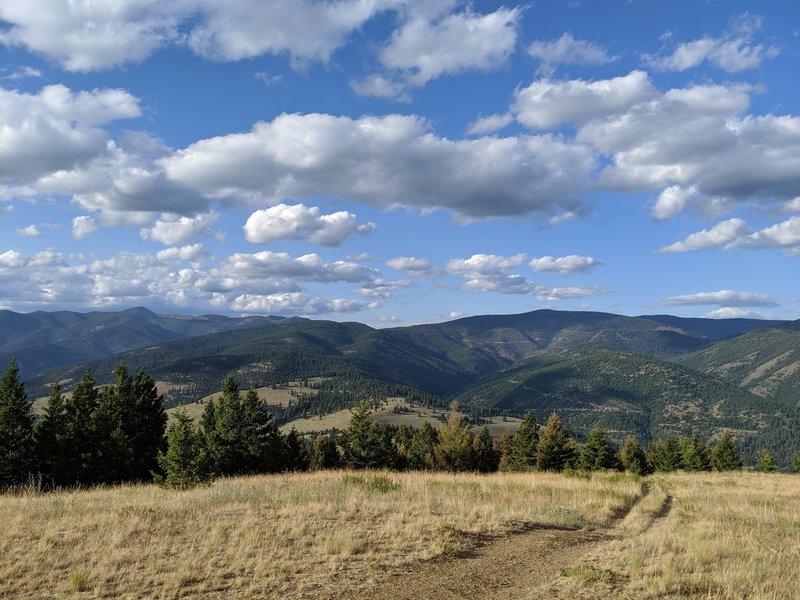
(598,452)
(17,445)
(144,423)
(665,454)
(297,458)
(80,466)
(222,431)
(556,449)
(185,462)
(725,456)
(50,438)
(111,451)
(505,447)
(265,446)
(695,455)
(765,462)
(366,446)
(454,451)
(797,463)
(421,449)
(487,458)
(324,454)
(633,457)
(523,444)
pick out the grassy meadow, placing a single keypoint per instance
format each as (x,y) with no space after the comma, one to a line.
(279,536)
(318,535)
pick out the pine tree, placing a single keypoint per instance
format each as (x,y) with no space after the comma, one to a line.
(633,457)
(80,466)
(50,434)
(598,452)
(17,445)
(765,462)
(454,451)
(725,456)
(487,457)
(222,422)
(366,446)
(695,455)
(112,453)
(144,423)
(523,444)
(505,447)
(556,449)
(185,462)
(421,449)
(266,448)
(797,463)
(324,454)
(297,457)
(665,454)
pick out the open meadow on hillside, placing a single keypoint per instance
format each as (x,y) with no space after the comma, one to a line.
(347,534)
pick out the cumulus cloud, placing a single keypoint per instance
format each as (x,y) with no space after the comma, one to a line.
(416,267)
(489,273)
(380,86)
(387,162)
(483,263)
(724,298)
(298,221)
(296,303)
(567,50)
(55,129)
(490,124)
(780,235)
(727,233)
(732,53)
(564,265)
(424,48)
(6,209)
(569,293)
(309,267)
(171,229)
(189,253)
(380,288)
(30,231)
(730,312)
(672,201)
(546,103)
(83,226)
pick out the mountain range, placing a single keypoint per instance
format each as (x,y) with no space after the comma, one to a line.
(647,375)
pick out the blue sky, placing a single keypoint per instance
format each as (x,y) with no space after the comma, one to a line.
(400,161)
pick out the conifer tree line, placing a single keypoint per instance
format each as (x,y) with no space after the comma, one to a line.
(117,433)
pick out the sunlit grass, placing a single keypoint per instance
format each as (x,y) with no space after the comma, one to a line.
(282,536)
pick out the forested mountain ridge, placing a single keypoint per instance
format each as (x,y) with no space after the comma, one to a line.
(765,362)
(41,340)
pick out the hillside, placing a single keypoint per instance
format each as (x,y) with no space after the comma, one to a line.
(41,340)
(765,362)
(625,393)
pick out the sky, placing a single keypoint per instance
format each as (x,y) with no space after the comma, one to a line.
(400,161)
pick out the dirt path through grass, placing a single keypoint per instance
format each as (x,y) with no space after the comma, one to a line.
(512,567)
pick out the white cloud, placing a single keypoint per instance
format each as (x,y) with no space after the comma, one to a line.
(732,53)
(490,124)
(309,267)
(483,263)
(380,86)
(55,128)
(6,209)
(380,288)
(83,226)
(424,49)
(171,229)
(189,253)
(546,103)
(725,298)
(567,50)
(727,233)
(673,200)
(386,161)
(298,221)
(780,235)
(455,314)
(296,303)
(564,265)
(30,231)
(729,312)
(416,267)
(569,293)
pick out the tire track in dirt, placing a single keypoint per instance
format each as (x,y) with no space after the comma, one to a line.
(501,569)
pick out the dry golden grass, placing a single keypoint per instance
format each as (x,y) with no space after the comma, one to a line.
(282,536)
(733,536)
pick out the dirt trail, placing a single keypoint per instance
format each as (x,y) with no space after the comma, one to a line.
(508,568)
